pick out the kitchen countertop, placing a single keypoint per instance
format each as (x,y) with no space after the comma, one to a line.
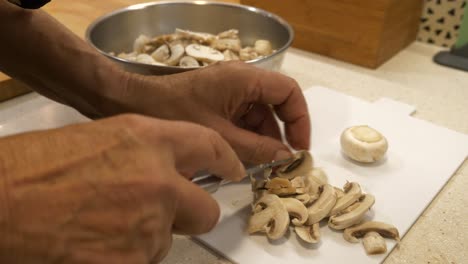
(439,94)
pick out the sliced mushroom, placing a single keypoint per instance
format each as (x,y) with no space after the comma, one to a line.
(363,144)
(339,193)
(352,234)
(177,52)
(299,184)
(128,56)
(313,185)
(145,58)
(227,44)
(322,206)
(258,194)
(248,53)
(162,53)
(300,166)
(204,53)
(230,34)
(352,194)
(273,219)
(355,216)
(263,47)
(374,243)
(140,43)
(188,62)
(230,55)
(305,198)
(280,186)
(296,210)
(320,175)
(200,36)
(310,234)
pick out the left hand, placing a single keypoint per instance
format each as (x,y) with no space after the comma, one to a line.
(236,99)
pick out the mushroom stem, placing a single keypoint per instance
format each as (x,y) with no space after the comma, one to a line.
(374,243)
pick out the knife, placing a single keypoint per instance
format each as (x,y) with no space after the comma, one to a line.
(211,183)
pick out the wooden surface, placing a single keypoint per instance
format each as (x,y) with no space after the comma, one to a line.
(363,32)
(76,15)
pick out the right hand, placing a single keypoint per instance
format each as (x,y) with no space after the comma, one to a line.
(109,191)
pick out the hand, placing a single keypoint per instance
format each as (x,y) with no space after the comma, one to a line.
(108,191)
(236,99)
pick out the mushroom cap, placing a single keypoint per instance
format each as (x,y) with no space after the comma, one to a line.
(204,53)
(352,234)
(300,166)
(310,234)
(296,210)
(363,144)
(273,219)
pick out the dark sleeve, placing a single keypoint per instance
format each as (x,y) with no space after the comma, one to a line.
(29,4)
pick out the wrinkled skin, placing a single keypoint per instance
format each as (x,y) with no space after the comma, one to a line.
(108,191)
(236,99)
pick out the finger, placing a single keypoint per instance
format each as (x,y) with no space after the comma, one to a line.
(289,103)
(198,148)
(261,120)
(254,148)
(197,212)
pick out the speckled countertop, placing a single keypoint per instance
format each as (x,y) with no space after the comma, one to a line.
(440,96)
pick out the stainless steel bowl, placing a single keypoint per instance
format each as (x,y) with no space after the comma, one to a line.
(117,31)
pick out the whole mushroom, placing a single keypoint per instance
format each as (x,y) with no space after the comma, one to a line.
(363,144)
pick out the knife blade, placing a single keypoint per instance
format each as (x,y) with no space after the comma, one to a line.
(211,183)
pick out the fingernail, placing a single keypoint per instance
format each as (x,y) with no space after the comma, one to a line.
(282,154)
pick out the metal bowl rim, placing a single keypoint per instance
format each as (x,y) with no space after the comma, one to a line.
(145,5)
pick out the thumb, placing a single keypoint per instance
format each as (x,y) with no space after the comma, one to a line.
(254,148)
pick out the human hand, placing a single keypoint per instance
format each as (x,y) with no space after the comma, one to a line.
(108,191)
(236,99)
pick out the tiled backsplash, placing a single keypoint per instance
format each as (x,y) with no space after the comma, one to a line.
(440,21)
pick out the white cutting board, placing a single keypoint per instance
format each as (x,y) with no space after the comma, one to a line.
(421,159)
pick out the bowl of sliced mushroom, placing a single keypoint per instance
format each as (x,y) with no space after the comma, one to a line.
(175,36)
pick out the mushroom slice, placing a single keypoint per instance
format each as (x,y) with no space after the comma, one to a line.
(204,53)
(320,175)
(199,36)
(300,166)
(128,56)
(310,234)
(263,47)
(296,210)
(248,53)
(273,218)
(230,55)
(322,206)
(140,43)
(347,219)
(162,53)
(280,187)
(145,58)
(299,184)
(352,193)
(188,62)
(363,144)
(305,198)
(227,44)
(177,52)
(374,243)
(230,34)
(352,234)
(339,193)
